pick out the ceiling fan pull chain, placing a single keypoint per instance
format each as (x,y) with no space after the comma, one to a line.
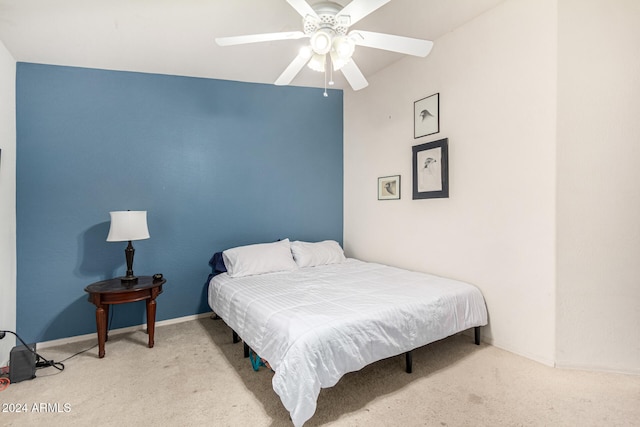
(330,63)
(325,77)
(326,24)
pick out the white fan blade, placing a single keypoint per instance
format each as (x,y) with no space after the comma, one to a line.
(256,38)
(293,69)
(354,76)
(358,9)
(303,8)
(406,45)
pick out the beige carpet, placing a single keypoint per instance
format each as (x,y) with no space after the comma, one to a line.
(196,376)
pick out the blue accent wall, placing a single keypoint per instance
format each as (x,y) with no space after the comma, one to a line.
(215,163)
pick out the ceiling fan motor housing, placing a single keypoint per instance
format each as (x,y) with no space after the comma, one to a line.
(327,12)
(326,25)
(327,28)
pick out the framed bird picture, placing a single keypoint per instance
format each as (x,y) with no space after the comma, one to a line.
(426,116)
(389,187)
(431,170)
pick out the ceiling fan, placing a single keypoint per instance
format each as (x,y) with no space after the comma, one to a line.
(331,44)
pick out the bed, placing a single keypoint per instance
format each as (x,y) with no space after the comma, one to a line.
(315,315)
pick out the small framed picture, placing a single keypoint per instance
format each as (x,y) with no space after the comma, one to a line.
(426,116)
(431,170)
(389,187)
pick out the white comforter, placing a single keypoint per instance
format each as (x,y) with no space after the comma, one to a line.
(315,324)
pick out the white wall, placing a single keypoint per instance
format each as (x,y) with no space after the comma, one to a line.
(598,313)
(7,201)
(496,76)
(540,102)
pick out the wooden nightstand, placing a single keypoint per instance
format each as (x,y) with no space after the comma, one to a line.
(114,291)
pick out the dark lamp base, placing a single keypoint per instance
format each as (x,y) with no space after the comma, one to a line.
(129,280)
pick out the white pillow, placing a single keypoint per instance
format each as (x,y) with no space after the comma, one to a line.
(311,254)
(258,259)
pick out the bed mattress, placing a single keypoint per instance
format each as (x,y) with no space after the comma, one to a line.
(316,324)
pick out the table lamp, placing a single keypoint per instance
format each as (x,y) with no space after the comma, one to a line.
(128,226)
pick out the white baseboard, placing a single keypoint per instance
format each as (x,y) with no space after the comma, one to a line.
(527,355)
(69,340)
(596,368)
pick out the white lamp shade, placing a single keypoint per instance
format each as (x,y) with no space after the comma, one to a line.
(321,42)
(128,225)
(306,52)
(317,62)
(344,47)
(337,62)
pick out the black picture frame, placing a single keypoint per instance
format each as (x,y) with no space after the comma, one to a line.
(431,170)
(426,116)
(389,187)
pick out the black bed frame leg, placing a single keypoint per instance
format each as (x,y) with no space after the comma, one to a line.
(246,350)
(236,339)
(215,317)
(477,335)
(409,359)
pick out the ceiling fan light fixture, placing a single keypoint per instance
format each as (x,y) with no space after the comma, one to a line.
(321,42)
(343,47)
(306,52)
(317,62)
(326,24)
(338,62)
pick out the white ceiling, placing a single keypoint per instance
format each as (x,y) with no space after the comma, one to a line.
(177,36)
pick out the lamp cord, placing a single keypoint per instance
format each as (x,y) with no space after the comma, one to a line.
(94,346)
(41,362)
